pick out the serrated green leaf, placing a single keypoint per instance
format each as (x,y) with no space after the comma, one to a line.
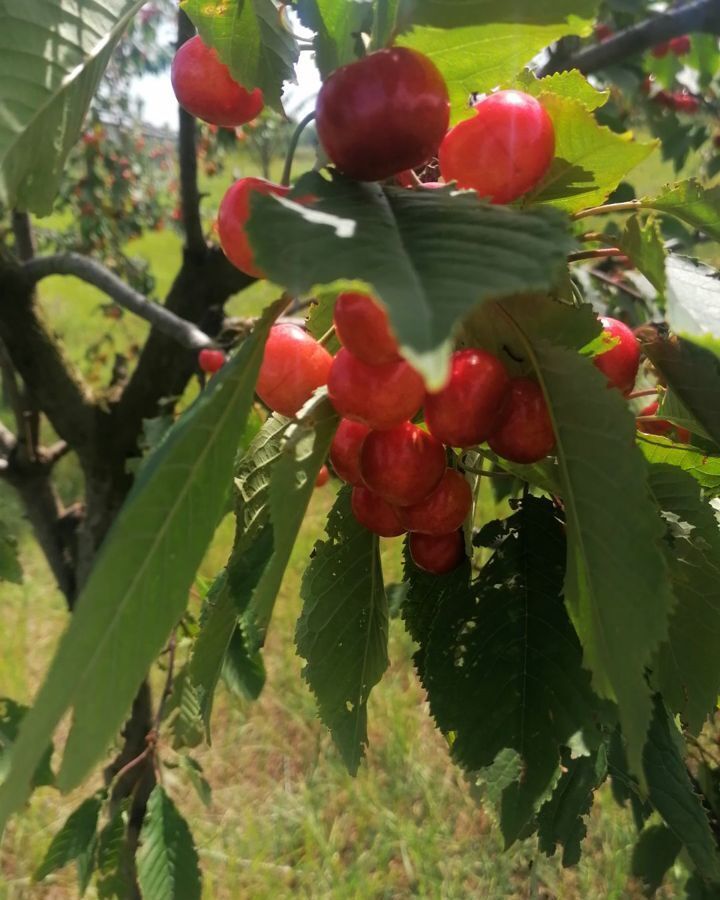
(53,56)
(75,842)
(653,855)
(692,203)
(243,670)
(114,861)
(672,794)
(11,716)
(572,85)
(167,861)
(336,24)
(139,585)
(643,243)
(625,786)
(693,297)
(479,44)
(251,39)
(342,632)
(10,568)
(184,711)
(195,773)
(503,666)
(590,159)
(704,467)
(416,250)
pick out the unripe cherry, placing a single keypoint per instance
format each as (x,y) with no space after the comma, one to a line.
(442,511)
(363,328)
(403,465)
(503,151)
(232,218)
(211,361)
(294,366)
(378,396)
(345,450)
(526,433)
(205,88)
(620,363)
(374,513)
(466,411)
(437,554)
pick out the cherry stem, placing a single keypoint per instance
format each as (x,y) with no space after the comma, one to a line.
(595,236)
(600,253)
(327,336)
(649,419)
(621,286)
(482,474)
(292,147)
(609,208)
(650,392)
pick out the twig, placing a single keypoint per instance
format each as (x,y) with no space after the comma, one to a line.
(620,285)
(650,392)
(187,160)
(21,414)
(600,253)
(292,147)
(22,229)
(608,209)
(93,272)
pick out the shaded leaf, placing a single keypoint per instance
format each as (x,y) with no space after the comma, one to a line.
(693,300)
(703,467)
(643,243)
(75,842)
(342,632)
(195,773)
(690,202)
(184,711)
(653,855)
(114,860)
(11,715)
(167,861)
(243,671)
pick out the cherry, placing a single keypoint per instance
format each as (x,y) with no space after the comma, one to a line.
(603,31)
(374,513)
(465,412)
(526,433)
(437,554)
(363,328)
(383,114)
(442,511)
(234,213)
(659,51)
(661,426)
(404,465)
(293,366)
(684,102)
(323,476)
(211,361)
(345,450)
(378,396)
(504,150)
(620,363)
(204,87)
(680,45)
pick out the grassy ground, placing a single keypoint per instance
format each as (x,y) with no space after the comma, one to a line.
(285,818)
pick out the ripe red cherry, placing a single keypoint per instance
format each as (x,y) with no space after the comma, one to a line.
(211,361)
(323,476)
(293,366)
(374,513)
(685,103)
(437,554)
(363,328)
(232,217)
(659,51)
(680,45)
(205,88)
(620,363)
(442,511)
(383,114)
(503,151)
(378,396)
(526,434)
(345,450)
(661,426)
(603,31)
(404,465)
(465,412)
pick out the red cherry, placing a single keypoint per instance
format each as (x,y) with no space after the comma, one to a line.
(211,361)
(374,513)
(378,396)
(234,213)
(437,554)
(442,511)
(685,103)
(659,51)
(620,363)
(406,178)
(504,150)
(363,328)
(404,465)
(661,426)
(382,114)
(323,477)
(293,366)
(646,84)
(466,411)
(603,31)
(526,434)
(345,450)
(680,45)
(204,87)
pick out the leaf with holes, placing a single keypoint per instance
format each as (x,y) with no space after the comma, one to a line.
(167,861)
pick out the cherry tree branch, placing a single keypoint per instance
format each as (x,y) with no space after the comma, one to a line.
(89,270)
(695,16)
(187,159)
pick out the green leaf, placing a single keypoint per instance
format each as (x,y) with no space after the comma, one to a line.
(611,556)
(704,467)
(195,773)
(590,159)
(114,860)
(139,585)
(75,841)
(653,855)
(692,203)
(243,671)
(167,861)
(10,568)
(53,58)
(416,250)
(572,85)
(693,301)
(672,794)
(251,39)
(336,24)
(342,632)
(11,716)
(478,44)
(561,818)
(503,666)
(688,663)
(643,243)
(184,709)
